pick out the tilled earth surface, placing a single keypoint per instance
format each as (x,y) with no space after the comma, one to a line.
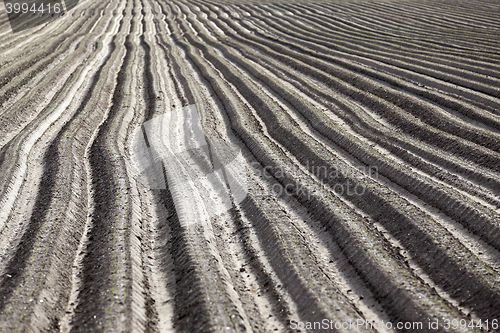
(251,166)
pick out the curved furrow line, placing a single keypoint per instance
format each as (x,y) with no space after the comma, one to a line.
(420,42)
(194,260)
(251,166)
(402,70)
(284,135)
(107,272)
(202,98)
(355,151)
(338,26)
(443,73)
(286,279)
(362,123)
(174,252)
(389,112)
(282,93)
(56,219)
(219,66)
(127,273)
(52,115)
(420,25)
(467,26)
(24,37)
(20,110)
(396,49)
(310,317)
(148,298)
(23,82)
(256,288)
(48,48)
(396,57)
(458,15)
(275,55)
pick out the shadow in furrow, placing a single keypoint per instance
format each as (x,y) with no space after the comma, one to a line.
(95,297)
(192,311)
(151,323)
(3,152)
(149,93)
(20,258)
(191,308)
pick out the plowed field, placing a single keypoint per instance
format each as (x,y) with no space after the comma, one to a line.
(251,166)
